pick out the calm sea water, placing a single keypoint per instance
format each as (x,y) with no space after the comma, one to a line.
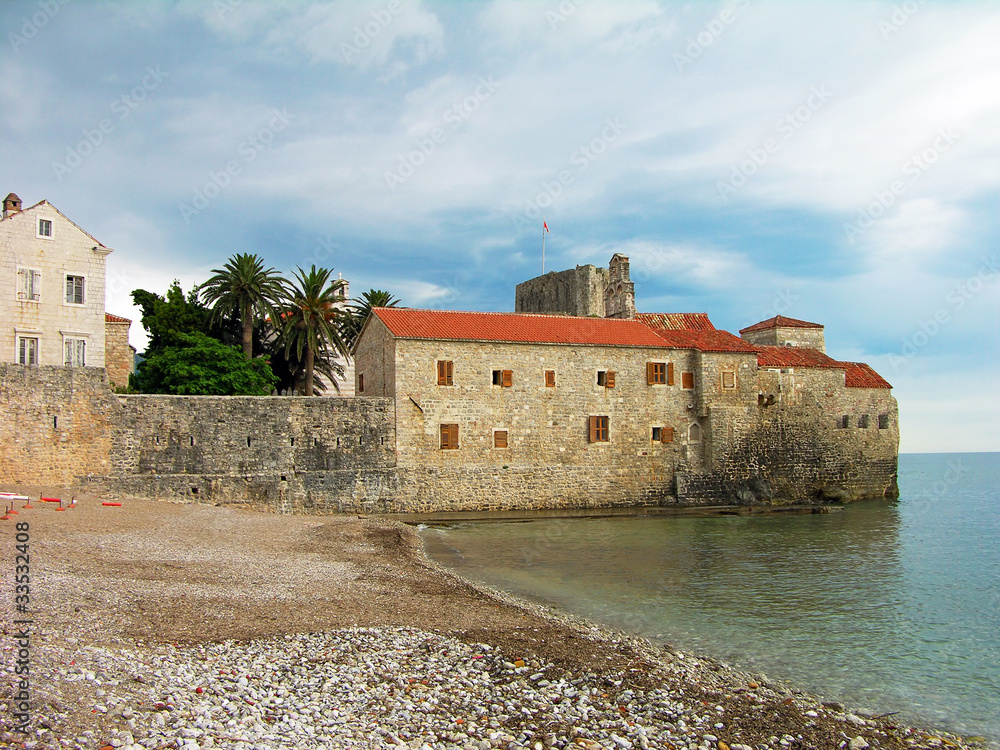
(890,606)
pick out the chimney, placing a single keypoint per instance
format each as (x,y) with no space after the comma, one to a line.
(11,205)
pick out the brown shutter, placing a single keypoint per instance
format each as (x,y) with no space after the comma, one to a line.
(670,373)
(593,429)
(687,380)
(500,439)
(609,379)
(444,372)
(550,378)
(507,378)
(667,435)
(650,373)
(450,367)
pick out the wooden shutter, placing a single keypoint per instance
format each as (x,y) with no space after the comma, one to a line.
(609,379)
(550,378)
(593,429)
(728,379)
(667,435)
(650,373)
(687,380)
(670,373)
(500,439)
(507,378)
(449,436)
(445,369)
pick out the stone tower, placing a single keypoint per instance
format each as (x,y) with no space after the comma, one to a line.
(619,295)
(585,291)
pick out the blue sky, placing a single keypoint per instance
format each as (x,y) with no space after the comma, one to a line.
(835,162)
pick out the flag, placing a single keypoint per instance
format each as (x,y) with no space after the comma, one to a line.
(545,226)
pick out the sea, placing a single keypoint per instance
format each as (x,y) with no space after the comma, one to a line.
(889,606)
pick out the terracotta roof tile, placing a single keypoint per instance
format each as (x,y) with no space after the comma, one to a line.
(515,328)
(793,356)
(860,375)
(780,321)
(109,318)
(677,321)
(706,341)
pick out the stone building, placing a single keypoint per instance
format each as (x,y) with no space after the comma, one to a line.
(119,354)
(52,280)
(782,331)
(583,291)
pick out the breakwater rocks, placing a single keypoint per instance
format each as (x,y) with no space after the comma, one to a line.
(408,688)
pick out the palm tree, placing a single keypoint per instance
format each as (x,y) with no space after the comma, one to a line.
(311,319)
(358,313)
(245,288)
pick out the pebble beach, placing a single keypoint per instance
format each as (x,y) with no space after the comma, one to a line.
(171,626)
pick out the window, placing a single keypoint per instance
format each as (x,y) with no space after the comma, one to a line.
(45,228)
(361,382)
(445,368)
(74,290)
(449,437)
(656,373)
(728,380)
(687,380)
(75,353)
(663,435)
(500,438)
(503,378)
(29,285)
(606,378)
(883,421)
(863,422)
(27,350)
(694,433)
(598,429)
(550,378)
(844,422)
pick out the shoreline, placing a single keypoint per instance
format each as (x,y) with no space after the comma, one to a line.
(231,584)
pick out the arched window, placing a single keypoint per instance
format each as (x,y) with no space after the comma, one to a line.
(694,433)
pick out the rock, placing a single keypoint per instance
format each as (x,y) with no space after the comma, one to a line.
(858,743)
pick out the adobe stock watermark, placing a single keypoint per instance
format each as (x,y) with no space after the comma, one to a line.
(93,138)
(459,112)
(32,25)
(581,158)
(942,488)
(222,7)
(697,44)
(248,150)
(900,16)
(365,34)
(956,299)
(787,126)
(913,169)
(561,15)
(784,300)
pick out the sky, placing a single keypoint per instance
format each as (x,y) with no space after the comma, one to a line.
(836,162)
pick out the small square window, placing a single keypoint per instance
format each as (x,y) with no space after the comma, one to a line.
(863,422)
(657,435)
(75,353)
(550,378)
(503,378)
(449,437)
(29,285)
(599,430)
(687,380)
(500,438)
(75,290)
(728,379)
(883,421)
(45,228)
(844,422)
(656,373)
(606,378)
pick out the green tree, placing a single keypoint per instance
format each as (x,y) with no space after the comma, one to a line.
(358,313)
(199,365)
(245,289)
(311,320)
(165,316)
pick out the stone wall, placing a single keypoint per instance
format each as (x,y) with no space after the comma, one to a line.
(119,356)
(577,291)
(56,424)
(812,338)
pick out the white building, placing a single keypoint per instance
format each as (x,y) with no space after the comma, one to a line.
(52,277)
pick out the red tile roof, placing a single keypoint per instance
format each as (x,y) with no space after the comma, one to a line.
(677,321)
(515,328)
(706,341)
(780,321)
(856,374)
(860,375)
(109,318)
(793,356)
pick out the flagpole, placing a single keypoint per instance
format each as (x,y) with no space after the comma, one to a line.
(543,247)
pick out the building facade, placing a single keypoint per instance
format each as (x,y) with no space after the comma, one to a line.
(52,282)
